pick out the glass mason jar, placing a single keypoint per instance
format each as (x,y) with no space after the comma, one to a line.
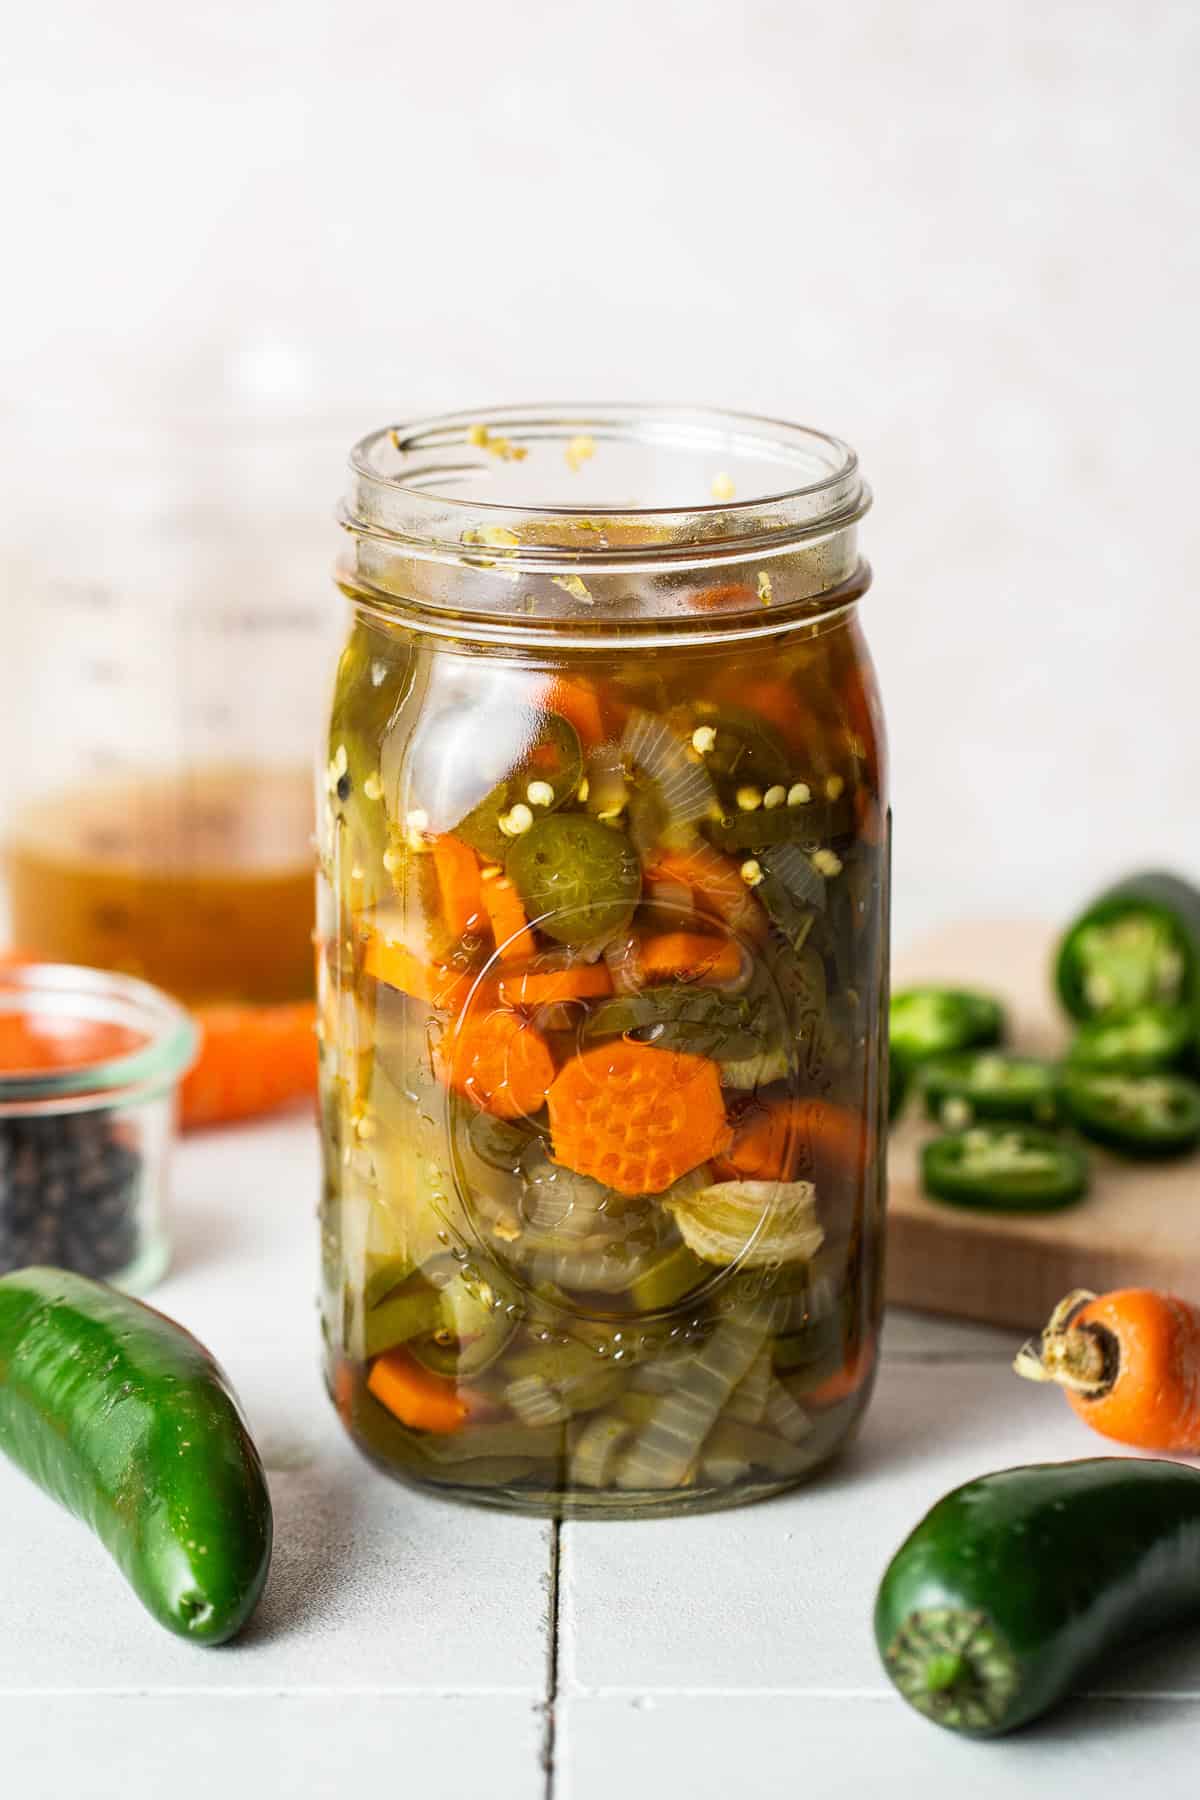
(603,927)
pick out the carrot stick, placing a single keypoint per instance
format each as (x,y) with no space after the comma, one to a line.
(253,1059)
(457,872)
(689,956)
(417,1397)
(635,1117)
(578,702)
(510,927)
(717,885)
(501,1062)
(1130,1364)
(781,1139)
(546,987)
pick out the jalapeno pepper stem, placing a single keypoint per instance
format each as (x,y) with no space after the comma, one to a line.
(1080,1357)
(951,1664)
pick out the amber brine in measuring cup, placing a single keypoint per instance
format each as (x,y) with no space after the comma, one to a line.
(167,668)
(603,934)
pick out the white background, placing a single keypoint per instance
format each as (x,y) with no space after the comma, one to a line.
(964,237)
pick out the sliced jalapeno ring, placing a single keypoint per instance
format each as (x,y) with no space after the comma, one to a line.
(578,880)
(1137,944)
(989,1084)
(1004,1168)
(1135,1043)
(933,1021)
(548,775)
(1138,1115)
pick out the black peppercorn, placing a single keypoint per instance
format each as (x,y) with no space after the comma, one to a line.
(69,1191)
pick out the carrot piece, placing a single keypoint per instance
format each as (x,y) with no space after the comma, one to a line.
(689,956)
(1130,1363)
(577,701)
(343,1390)
(716,882)
(847,1380)
(778,702)
(437,984)
(510,927)
(417,1397)
(253,1059)
(782,1139)
(635,1117)
(499,1061)
(545,987)
(457,872)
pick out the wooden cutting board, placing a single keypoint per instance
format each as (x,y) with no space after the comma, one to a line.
(1139,1225)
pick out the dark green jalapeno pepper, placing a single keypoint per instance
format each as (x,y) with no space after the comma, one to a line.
(127,1421)
(1019,1586)
(1137,944)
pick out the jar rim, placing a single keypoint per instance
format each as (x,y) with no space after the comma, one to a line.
(167,1046)
(644,498)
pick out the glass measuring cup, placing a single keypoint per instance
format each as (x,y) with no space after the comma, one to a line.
(166,631)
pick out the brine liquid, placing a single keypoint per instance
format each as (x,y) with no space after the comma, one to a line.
(202,883)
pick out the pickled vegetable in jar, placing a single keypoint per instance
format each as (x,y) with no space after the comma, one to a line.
(602,939)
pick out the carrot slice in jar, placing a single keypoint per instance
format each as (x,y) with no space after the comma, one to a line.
(419,1399)
(637,1118)
(501,1063)
(577,701)
(456,870)
(437,984)
(778,1139)
(510,927)
(548,987)
(718,885)
(689,956)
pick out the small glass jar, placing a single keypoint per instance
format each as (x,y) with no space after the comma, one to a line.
(90,1065)
(602,933)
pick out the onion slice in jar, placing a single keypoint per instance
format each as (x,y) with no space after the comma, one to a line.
(684,788)
(752,1223)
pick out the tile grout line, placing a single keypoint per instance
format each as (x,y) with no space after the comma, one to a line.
(550,1704)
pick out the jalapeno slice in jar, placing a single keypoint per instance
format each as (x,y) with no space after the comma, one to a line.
(989,1084)
(1143,1116)
(1136,1043)
(1004,1168)
(579,880)
(933,1021)
(546,778)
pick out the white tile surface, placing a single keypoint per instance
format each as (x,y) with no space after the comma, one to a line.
(750,1748)
(779,1596)
(283,1747)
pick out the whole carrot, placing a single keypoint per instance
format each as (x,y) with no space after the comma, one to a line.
(253,1060)
(1129,1362)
